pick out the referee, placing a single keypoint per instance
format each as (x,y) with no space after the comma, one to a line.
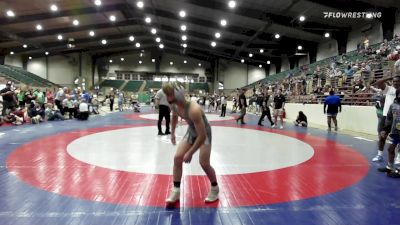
(163,111)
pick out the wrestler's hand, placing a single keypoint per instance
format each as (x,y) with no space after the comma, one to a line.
(187,157)
(173,139)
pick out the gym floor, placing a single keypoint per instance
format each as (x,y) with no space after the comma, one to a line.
(114,169)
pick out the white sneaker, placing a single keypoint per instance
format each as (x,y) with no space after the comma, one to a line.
(281,127)
(273,126)
(174,195)
(397,160)
(377,158)
(212,195)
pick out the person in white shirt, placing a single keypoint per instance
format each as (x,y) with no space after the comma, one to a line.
(224,102)
(390,95)
(83,110)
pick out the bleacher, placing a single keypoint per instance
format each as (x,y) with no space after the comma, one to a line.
(111,83)
(22,76)
(199,86)
(152,85)
(133,86)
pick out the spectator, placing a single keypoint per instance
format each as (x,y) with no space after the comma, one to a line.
(9,99)
(37,113)
(279,107)
(52,114)
(224,102)
(60,97)
(242,106)
(68,106)
(121,101)
(334,106)
(301,120)
(20,97)
(39,97)
(95,104)
(50,97)
(83,110)
(358,87)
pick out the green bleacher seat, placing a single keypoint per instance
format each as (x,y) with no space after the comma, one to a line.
(152,85)
(199,86)
(133,86)
(112,83)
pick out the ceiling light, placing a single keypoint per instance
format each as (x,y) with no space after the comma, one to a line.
(268,62)
(223,22)
(184,45)
(10,13)
(171,63)
(242,60)
(97,2)
(299,47)
(91,33)
(158,40)
(327,34)
(110,61)
(140,61)
(113,18)
(277,36)
(60,37)
(183,27)
(24,46)
(261,50)
(302,18)
(39,27)
(131,38)
(250,55)
(30,57)
(161,46)
(104,41)
(75,22)
(47,53)
(137,45)
(11,53)
(154,31)
(139,4)
(217,35)
(54,8)
(153,60)
(199,64)
(184,38)
(182,13)
(122,59)
(260,66)
(232,4)
(184,61)
(147,20)
(213,44)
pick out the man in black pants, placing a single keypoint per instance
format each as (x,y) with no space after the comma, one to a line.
(265,111)
(163,111)
(242,106)
(223,105)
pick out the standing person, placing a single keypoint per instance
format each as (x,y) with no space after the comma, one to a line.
(224,102)
(50,97)
(265,111)
(121,101)
(21,98)
(59,99)
(111,98)
(163,111)
(392,127)
(39,97)
(279,107)
(389,91)
(334,106)
(242,106)
(9,100)
(198,136)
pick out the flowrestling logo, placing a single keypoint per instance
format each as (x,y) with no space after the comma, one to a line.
(352,15)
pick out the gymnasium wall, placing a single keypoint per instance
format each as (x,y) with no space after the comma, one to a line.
(304,60)
(397,24)
(235,74)
(374,33)
(327,49)
(285,64)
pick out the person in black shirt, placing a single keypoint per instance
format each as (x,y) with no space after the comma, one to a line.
(279,107)
(242,107)
(301,120)
(265,111)
(9,100)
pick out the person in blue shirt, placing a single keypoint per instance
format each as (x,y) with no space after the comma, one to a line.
(334,106)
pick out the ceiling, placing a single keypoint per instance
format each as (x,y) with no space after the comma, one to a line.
(251,26)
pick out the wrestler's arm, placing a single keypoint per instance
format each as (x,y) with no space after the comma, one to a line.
(174,121)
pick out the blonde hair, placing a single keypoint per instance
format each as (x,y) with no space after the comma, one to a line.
(167,88)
